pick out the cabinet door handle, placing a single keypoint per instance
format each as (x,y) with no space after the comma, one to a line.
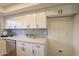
(37,25)
(14,26)
(61,11)
(33,51)
(28,26)
(23,44)
(58,11)
(23,49)
(38,46)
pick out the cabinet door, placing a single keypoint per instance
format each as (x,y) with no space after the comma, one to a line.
(6,23)
(28,49)
(24,49)
(31,19)
(38,50)
(26,21)
(68,9)
(20,48)
(41,18)
(10,24)
(53,11)
(20,21)
(64,10)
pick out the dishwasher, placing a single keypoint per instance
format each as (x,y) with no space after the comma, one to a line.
(10,47)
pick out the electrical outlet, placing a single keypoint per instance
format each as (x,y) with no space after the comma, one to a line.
(60,51)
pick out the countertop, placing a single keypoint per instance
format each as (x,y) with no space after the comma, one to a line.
(41,40)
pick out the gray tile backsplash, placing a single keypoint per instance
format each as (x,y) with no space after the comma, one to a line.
(31,31)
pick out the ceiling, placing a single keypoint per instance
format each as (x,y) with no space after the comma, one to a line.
(6,4)
(16,8)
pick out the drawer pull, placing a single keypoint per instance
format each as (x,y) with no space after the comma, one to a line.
(23,44)
(38,46)
(23,49)
(58,11)
(37,25)
(33,51)
(28,26)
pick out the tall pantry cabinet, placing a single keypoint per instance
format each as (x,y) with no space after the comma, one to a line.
(60,24)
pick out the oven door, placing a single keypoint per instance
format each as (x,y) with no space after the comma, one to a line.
(11,47)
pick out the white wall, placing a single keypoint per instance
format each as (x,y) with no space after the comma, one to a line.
(76,35)
(60,36)
(1,23)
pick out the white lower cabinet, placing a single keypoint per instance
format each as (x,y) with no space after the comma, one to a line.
(29,49)
(38,50)
(23,48)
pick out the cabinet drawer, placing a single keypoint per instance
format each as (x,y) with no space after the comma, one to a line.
(28,45)
(20,43)
(38,45)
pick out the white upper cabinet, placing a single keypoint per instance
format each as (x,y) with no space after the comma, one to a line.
(41,18)
(14,23)
(68,9)
(52,11)
(22,21)
(26,21)
(18,22)
(10,24)
(64,10)
(31,20)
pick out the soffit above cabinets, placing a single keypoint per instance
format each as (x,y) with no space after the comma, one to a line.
(14,8)
(4,5)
